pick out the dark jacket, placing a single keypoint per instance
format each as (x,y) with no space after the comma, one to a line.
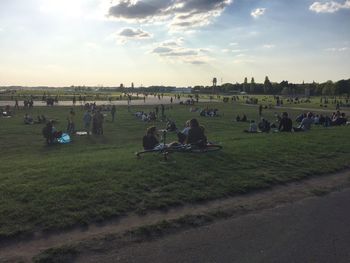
(196,136)
(149,142)
(286,125)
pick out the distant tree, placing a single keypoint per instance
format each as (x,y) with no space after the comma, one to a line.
(215,82)
(342,87)
(245,85)
(132,85)
(252,86)
(328,88)
(267,85)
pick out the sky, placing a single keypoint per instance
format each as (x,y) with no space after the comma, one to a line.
(172,42)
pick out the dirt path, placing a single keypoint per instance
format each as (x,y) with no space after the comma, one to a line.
(26,249)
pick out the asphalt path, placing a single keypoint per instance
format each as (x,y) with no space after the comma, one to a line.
(312,230)
(150,100)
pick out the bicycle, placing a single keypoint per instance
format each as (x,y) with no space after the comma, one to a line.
(165,149)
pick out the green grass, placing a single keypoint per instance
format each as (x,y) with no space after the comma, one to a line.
(97,178)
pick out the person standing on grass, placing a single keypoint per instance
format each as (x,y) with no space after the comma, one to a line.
(162,109)
(260,110)
(97,123)
(87,121)
(16,104)
(113,111)
(71,124)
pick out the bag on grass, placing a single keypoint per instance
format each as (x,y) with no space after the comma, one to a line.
(64,139)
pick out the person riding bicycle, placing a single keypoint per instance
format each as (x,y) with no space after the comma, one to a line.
(150,140)
(196,134)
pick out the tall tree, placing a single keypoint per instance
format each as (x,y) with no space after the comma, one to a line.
(215,81)
(252,86)
(245,85)
(267,85)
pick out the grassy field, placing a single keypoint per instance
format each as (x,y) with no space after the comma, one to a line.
(97,178)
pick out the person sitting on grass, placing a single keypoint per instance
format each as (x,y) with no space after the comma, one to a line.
(150,140)
(182,136)
(253,128)
(244,118)
(264,125)
(196,134)
(339,119)
(50,133)
(28,120)
(305,124)
(238,118)
(171,126)
(286,124)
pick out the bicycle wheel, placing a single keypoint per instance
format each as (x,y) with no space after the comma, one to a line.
(138,154)
(208,148)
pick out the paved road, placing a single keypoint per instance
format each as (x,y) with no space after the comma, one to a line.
(313,230)
(149,101)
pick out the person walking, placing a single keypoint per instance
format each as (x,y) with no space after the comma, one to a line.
(113,111)
(87,118)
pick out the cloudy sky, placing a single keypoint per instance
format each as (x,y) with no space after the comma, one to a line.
(172,42)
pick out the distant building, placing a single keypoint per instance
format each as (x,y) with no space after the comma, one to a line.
(182,90)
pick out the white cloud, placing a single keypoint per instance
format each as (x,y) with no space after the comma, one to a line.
(175,51)
(329,7)
(268,46)
(335,49)
(256,13)
(128,34)
(234,44)
(179,14)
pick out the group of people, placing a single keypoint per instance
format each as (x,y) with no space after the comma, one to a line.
(29,120)
(305,121)
(209,112)
(97,119)
(146,117)
(193,134)
(6,112)
(50,133)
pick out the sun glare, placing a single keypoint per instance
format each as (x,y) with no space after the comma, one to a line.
(66,8)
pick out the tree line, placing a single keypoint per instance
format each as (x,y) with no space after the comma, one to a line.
(328,88)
